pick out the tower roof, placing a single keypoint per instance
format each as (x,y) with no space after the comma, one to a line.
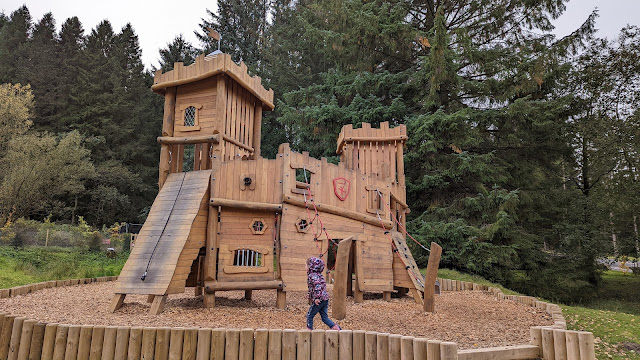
(205,67)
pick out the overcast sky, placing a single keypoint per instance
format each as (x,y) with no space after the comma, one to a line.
(158,22)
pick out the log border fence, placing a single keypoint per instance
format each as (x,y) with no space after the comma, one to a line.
(30,339)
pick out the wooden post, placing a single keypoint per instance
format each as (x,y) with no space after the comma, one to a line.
(358,294)
(358,344)
(167,130)
(559,344)
(536,337)
(587,347)
(386,295)
(134,352)
(73,339)
(275,344)
(25,339)
(16,333)
(281,299)
(448,351)
(420,348)
(163,340)
(304,345)
(339,306)
(211,257)
(217,344)
(189,344)
(430,277)
(247,294)
(317,345)
(148,343)
(289,344)
(60,344)
(245,351)
(260,344)
(330,344)
(232,345)
(547,344)
(203,348)
(175,343)
(345,345)
(122,343)
(400,164)
(382,347)
(116,303)
(158,304)
(406,348)
(257,129)
(97,337)
(433,349)
(37,342)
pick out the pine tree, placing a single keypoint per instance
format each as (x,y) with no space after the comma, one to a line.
(13,45)
(242,26)
(179,50)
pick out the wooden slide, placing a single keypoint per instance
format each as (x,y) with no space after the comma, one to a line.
(169,240)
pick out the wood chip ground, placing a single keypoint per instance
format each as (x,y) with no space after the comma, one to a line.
(471,318)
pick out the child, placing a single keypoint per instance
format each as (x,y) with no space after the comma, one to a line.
(318,295)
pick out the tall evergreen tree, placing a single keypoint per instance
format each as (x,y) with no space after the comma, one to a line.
(179,50)
(13,44)
(242,26)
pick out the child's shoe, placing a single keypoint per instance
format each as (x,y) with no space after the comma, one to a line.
(336,327)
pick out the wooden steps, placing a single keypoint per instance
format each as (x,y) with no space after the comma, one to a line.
(170,239)
(404,254)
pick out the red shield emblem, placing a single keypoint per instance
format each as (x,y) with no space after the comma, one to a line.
(341,188)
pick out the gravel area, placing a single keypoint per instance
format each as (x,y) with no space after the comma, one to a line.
(470,318)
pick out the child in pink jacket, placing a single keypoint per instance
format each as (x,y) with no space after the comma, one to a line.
(318,295)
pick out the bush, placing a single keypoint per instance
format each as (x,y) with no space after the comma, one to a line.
(94,241)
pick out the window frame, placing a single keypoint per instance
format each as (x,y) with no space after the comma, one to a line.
(180,126)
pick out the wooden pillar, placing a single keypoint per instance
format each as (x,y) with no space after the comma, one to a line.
(281,299)
(247,294)
(339,306)
(386,295)
(211,256)
(430,277)
(117,301)
(158,304)
(168,121)
(400,164)
(257,129)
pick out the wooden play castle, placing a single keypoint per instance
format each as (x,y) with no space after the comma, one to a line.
(228,219)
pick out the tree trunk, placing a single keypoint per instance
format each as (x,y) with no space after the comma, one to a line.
(635,231)
(614,238)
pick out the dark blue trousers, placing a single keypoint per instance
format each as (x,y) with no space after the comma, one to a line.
(322,309)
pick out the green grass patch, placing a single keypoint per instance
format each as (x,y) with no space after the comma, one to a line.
(34,264)
(457,275)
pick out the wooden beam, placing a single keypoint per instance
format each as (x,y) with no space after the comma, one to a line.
(354,215)
(281,299)
(244,285)
(257,129)
(117,302)
(249,205)
(339,306)
(158,304)
(211,255)
(430,277)
(237,143)
(342,142)
(499,353)
(170,140)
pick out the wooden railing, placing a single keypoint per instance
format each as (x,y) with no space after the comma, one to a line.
(22,339)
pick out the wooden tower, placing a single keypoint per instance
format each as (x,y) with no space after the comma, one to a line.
(228,219)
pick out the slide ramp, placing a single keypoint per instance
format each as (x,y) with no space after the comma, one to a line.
(407,261)
(170,238)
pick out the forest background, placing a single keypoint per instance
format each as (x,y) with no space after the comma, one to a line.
(522,151)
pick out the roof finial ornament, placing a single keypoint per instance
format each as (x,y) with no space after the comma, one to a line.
(215,36)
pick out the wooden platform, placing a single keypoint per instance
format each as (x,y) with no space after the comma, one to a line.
(170,239)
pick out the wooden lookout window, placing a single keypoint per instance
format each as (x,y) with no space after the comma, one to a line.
(189,117)
(375,204)
(258,226)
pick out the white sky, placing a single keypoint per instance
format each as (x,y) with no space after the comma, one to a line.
(158,22)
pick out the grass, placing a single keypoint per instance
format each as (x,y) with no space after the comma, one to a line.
(34,264)
(614,318)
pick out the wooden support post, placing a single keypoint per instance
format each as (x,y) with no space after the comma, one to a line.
(358,294)
(386,295)
(433,349)
(400,164)
(430,277)
(167,130)
(117,302)
(197,291)
(448,351)
(211,256)
(288,344)
(260,344)
(150,298)
(587,346)
(339,307)
(257,129)
(345,345)
(134,352)
(350,274)
(247,294)
(281,299)
(158,304)
(420,348)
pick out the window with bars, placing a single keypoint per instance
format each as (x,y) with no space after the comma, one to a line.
(247,257)
(190,116)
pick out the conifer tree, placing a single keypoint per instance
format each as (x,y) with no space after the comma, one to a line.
(13,44)
(179,50)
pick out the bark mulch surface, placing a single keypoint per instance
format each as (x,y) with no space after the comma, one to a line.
(471,318)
